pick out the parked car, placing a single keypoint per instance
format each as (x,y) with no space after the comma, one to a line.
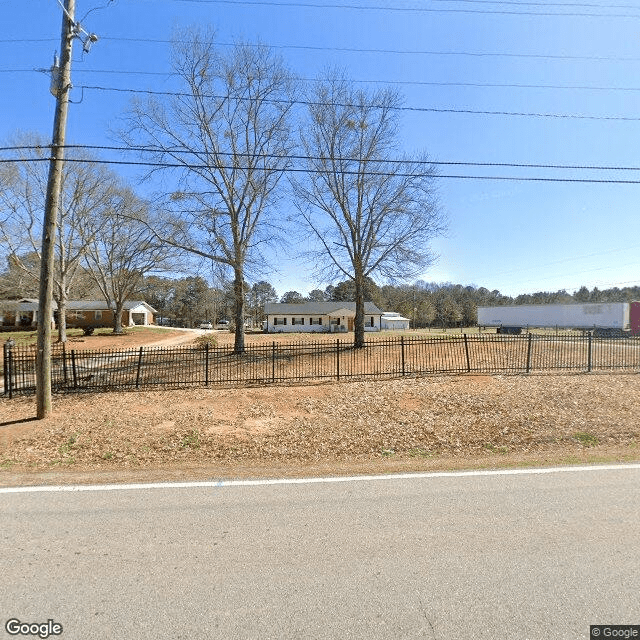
(223,324)
(206,325)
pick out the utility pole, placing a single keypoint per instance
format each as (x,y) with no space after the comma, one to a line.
(60,87)
(45,304)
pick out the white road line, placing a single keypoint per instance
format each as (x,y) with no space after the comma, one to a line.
(328,480)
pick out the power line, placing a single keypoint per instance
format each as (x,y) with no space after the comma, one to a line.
(360,50)
(565,116)
(177,165)
(267,156)
(546,4)
(474,54)
(510,12)
(427,83)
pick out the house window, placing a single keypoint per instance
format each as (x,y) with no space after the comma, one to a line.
(335,321)
(315,321)
(98,315)
(277,321)
(77,315)
(297,320)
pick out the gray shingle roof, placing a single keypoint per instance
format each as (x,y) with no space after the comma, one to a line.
(316,308)
(30,304)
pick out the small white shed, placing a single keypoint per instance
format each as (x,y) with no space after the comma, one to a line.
(394,321)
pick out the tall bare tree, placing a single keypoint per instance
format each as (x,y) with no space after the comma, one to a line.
(124,251)
(86,191)
(230,133)
(370,214)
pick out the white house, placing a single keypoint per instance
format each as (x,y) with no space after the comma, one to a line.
(319,317)
(394,321)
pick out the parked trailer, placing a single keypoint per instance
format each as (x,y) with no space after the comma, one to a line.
(621,316)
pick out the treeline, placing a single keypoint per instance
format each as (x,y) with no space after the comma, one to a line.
(431,304)
(188,301)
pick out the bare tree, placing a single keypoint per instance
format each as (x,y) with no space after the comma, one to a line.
(15,282)
(86,192)
(370,214)
(124,251)
(230,133)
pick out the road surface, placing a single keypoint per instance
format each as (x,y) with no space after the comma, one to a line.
(528,555)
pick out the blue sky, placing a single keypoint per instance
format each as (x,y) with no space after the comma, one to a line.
(447,58)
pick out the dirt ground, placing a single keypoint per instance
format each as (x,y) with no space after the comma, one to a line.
(132,338)
(430,423)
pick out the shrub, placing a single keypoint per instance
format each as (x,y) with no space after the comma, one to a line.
(207,339)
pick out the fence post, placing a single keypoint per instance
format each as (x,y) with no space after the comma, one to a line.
(64,363)
(338,358)
(73,368)
(589,356)
(273,361)
(402,350)
(8,369)
(466,350)
(206,364)
(529,353)
(5,359)
(139,367)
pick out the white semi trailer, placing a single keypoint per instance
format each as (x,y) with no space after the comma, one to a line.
(614,315)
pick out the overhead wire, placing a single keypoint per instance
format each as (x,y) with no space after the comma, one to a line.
(181,165)
(570,116)
(396,8)
(475,54)
(271,156)
(428,83)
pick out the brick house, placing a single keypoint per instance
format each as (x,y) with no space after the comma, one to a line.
(80,313)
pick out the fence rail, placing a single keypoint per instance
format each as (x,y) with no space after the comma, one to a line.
(167,367)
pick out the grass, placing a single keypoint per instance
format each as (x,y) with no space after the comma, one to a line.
(29,338)
(586,439)
(68,445)
(191,440)
(489,446)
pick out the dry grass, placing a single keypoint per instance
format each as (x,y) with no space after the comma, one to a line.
(102,338)
(409,423)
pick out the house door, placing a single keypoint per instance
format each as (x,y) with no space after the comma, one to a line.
(351,320)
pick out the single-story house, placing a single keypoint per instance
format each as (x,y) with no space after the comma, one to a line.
(319,317)
(393,321)
(18,313)
(80,313)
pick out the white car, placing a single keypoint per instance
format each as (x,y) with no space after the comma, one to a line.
(206,325)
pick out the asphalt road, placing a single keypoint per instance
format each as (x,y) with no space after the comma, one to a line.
(463,556)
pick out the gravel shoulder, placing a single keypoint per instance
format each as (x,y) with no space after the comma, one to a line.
(420,424)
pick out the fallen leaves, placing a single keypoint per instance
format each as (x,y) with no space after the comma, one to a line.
(412,417)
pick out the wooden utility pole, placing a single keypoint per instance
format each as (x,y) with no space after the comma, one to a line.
(45,306)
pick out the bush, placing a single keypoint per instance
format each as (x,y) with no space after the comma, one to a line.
(206,339)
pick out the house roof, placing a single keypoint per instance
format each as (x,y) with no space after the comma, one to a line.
(31,304)
(317,308)
(97,305)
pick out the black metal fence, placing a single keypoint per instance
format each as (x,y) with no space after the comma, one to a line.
(167,367)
